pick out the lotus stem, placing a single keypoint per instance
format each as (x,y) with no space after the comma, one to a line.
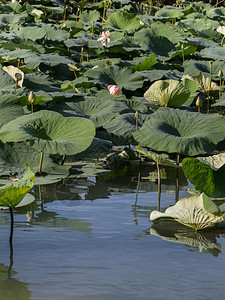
(63,159)
(82,55)
(12,223)
(16,83)
(159,186)
(222,40)
(177,178)
(209,87)
(121,4)
(92,29)
(220,90)
(40,164)
(104,9)
(182,49)
(64,14)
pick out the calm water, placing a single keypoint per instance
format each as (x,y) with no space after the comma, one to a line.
(92,239)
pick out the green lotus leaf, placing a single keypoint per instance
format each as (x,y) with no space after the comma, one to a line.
(10,108)
(28,199)
(31,32)
(204,83)
(98,149)
(10,19)
(100,111)
(13,193)
(161,46)
(202,42)
(14,157)
(124,125)
(123,78)
(217,13)
(50,132)
(89,16)
(145,64)
(37,82)
(180,131)
(160,158)
(196,211)
(166,30)
(215,53)
(82,41)
(169,12)
(206,174)
(33,61)
(18,43)
(201,67)
(167,93)
(122,21)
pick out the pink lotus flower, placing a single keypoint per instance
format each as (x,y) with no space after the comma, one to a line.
(114,90)
(105,38)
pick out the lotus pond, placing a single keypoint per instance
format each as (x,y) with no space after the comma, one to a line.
(112,149)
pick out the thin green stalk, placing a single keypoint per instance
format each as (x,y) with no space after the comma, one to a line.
(40,164)
(209,87)
(177,177)
(159,186)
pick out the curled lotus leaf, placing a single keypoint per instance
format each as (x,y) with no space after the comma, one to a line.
(196,211)
(167,93)
(206,174)
(50,132)
(13,193)
(180,131)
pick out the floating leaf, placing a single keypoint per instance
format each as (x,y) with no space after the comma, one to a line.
(196,211)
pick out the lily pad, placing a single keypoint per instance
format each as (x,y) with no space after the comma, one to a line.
(180,131)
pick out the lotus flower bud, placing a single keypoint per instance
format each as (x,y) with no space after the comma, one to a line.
(199,102)
(220,74)
(31,97)
(136,114)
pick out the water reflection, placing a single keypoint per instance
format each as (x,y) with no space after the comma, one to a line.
(11,288)
(205,241)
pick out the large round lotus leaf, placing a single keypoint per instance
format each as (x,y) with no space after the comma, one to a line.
(166,30)
(216,53)
(100,111)
(124,125)
(169,12)
(33,61)
(167,93)
(123,78)
(161,46)
(122,21)
(180,131)
(89,16)
(50,132)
